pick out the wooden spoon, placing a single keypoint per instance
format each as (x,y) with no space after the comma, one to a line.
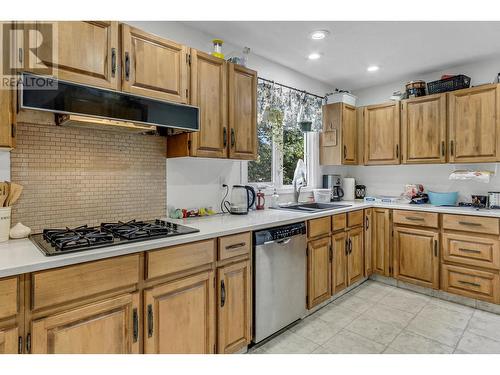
(15,193)
(4,193)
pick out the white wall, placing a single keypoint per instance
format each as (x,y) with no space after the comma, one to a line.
(195,182)
(390,180)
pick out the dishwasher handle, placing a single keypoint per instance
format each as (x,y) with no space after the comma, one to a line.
(282,241)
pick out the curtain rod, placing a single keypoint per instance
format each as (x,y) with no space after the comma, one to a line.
(290,87)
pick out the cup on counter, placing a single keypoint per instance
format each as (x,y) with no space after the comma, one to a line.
(4,223)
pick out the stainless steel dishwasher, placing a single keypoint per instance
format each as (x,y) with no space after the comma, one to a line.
(279,278)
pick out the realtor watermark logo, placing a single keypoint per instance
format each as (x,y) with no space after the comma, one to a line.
(28,47)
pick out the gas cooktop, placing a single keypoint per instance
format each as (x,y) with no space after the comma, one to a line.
(69,240)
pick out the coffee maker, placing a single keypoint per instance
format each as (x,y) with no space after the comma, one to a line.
(334,183)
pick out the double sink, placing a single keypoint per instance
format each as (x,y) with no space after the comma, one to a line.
(312,207)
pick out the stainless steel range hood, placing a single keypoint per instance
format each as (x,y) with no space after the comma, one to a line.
(80,105)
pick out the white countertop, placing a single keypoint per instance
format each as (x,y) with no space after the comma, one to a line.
(22,256)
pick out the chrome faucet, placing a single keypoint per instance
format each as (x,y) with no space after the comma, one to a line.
(299,180)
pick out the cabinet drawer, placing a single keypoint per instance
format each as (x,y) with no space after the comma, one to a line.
(471,223)
(422,219)
(355,218)
(318,227)
(339,222)
(84,280)
(180,258)
(9,293)
(471,250)
(471,283)
(232,246)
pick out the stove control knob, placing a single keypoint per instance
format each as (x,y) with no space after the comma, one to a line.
(174,226)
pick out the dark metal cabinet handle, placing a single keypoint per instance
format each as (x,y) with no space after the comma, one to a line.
(346,247)
(233,141)
(224,136)
(135,324)
(469,283)
(150,320)
(367,223)
(21,55)
(451,147)
(345,151)
(350,246)
(469,223)
(397,151)
(443,151)
(435,248)
(331,253)
(20,345)
(28,343)
(470,251)
(222,293)
(127,66)
(113,62)
(236,246)
(413,218)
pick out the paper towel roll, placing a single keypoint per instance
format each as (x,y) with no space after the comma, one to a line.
(349,186)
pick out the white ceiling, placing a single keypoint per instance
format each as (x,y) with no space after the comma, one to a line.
(401,49)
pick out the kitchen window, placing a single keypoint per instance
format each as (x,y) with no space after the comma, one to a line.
(283,134)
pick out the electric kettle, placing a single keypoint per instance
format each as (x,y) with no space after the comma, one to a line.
(242,198)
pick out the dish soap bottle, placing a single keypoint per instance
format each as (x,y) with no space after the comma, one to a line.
(275,199)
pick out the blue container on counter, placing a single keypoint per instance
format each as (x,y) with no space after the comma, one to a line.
(443,199)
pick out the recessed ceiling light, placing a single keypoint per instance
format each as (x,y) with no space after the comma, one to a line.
(372,68)
(314,56)
(319,34)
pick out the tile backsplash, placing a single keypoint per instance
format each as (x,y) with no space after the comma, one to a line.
(75,176)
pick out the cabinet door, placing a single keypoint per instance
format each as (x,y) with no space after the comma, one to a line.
(339,262)
(416,256)
(106,327)
(368,242)
(355,259)
(154,67)
(381,244)
(349,135)
(8,340)
(180,316)
(242,97)
(234,312)
(87,52)
(381,128)
(209,93)
(423,129)
(474,124)
(319,282)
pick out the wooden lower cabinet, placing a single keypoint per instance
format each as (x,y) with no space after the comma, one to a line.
(110,326)
(355,258)
(180,316)
(234,307)
(416,256)
(339,263)
(318,271)
(9,340)
(381,241)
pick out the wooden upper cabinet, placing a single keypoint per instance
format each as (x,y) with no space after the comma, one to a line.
(474,124)
(318,271)
(339,139)
(234,307)
(87,52)
(242,96)
(180,316)
(209,93)
(105,327)
(154,67)
(423,129)
(416,256)
(381,133)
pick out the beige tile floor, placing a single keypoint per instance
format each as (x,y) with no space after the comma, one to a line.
(377,318)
